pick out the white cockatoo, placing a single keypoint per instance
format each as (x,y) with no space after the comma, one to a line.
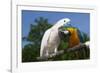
(51,38)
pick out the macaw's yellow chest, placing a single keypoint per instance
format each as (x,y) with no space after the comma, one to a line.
(73,39)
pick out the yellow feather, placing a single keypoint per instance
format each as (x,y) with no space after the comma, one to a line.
(73,39)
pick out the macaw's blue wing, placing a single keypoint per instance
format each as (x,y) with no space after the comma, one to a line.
(83,36)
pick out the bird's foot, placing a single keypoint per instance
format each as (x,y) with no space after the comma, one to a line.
(52,55)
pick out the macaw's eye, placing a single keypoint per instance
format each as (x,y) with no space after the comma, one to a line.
(69,33)
(64,20)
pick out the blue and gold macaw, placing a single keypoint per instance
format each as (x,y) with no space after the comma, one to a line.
(76,37)
(73,36)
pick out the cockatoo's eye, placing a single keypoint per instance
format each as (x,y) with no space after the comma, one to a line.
(64,20)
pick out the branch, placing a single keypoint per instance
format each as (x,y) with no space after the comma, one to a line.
(76,48)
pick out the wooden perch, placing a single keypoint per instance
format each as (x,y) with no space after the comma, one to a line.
(76,48)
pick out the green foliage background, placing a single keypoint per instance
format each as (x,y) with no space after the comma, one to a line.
(32,50)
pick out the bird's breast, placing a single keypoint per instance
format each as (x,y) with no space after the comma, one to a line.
(73,39)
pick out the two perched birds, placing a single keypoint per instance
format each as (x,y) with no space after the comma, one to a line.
(52,37)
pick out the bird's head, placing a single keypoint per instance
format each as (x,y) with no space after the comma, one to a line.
(63,22)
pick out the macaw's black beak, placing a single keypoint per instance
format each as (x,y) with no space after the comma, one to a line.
(65,34)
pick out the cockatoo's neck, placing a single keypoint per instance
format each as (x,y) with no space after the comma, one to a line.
(58,25)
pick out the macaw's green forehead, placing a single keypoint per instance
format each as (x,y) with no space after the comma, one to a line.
(66,28)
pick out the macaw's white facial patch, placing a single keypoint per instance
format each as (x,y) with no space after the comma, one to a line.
(66,32)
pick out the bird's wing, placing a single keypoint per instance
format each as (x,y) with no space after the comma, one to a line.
(83,36)
(45,37)
(44,43)
(80,35)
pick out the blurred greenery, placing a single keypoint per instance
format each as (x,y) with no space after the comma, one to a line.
(31,50)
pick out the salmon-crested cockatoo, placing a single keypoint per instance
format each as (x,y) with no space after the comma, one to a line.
(51,38)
